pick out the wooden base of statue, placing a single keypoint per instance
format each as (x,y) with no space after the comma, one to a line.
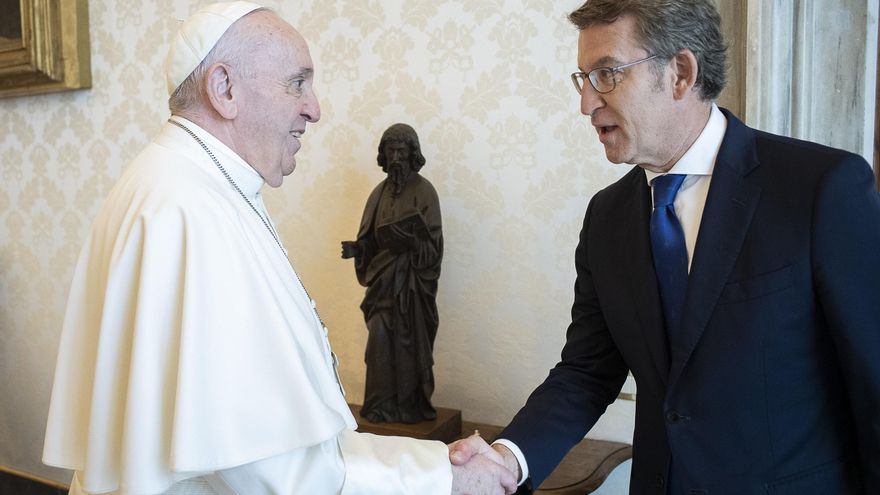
(446,427)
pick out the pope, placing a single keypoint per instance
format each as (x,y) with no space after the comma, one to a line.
(192,359)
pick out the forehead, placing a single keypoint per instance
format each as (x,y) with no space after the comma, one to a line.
(608,44)
(293,53)
(280,44)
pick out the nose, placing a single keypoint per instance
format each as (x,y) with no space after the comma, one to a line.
(591,100)
(311,109)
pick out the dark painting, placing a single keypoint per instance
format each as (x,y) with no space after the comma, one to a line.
(10,20)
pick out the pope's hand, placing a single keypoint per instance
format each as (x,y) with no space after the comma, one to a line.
(478,468)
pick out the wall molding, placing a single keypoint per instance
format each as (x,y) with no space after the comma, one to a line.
(806,77)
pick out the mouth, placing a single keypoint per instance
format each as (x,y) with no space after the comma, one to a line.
(606,133)
(298,134)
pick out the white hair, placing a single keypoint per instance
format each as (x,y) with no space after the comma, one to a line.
(230,49)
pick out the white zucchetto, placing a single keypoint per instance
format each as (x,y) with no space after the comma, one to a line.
(197,35)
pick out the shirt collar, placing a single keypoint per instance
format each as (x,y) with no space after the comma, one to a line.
(247,179)
(699,159)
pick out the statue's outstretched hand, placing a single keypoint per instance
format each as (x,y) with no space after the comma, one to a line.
(350,249)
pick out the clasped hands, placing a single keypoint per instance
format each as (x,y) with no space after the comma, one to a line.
(478,468)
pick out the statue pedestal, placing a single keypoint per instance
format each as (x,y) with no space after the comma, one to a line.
(446,428)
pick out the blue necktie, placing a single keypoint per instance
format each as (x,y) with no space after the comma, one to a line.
(670,253)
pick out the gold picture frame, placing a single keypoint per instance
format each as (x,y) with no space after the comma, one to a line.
(48,50)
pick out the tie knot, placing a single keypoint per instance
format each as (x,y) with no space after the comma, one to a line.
(665,188)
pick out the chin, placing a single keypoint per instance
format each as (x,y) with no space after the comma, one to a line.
(619,155)
(613,157)
(274,181)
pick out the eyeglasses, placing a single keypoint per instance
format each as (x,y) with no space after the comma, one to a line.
(603,79)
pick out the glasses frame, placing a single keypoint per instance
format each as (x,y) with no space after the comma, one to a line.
(576,76)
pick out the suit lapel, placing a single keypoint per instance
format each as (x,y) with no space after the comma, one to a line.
(642,280)
(730,206)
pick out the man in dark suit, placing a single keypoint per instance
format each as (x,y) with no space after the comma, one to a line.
(746,304)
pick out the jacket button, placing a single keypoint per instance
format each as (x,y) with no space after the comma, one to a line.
(673,417)
(660,480)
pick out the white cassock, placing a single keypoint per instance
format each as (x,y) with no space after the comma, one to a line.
(191,358)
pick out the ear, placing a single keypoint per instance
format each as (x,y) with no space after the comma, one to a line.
(685,69)
(219,90)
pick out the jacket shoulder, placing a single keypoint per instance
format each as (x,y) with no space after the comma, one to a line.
(622,188)
(804,161)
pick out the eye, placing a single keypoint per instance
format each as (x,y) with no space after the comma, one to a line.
(297,85)
(605,75)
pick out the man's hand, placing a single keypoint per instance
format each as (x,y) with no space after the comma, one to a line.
(479,469)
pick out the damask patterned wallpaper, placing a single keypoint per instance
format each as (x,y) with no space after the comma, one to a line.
(485,84)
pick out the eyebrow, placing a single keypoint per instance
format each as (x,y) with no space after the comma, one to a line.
(303,73)
(606,61)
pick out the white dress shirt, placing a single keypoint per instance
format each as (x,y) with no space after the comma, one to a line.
(697,164)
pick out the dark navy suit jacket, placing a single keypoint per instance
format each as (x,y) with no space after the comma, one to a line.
(773,386)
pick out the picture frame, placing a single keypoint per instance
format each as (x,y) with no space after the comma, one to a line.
(48,50)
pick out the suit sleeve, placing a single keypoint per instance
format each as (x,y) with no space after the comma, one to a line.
(846,263)
(579,388)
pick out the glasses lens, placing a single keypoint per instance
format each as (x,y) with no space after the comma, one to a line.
(602,79)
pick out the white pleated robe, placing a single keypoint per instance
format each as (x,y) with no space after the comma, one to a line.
(189,347)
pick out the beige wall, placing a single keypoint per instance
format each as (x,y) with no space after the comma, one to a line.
(486,86)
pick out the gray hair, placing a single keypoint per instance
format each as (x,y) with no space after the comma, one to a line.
(232,48)
(664,27)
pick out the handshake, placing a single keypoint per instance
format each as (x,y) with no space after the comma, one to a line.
(478,468)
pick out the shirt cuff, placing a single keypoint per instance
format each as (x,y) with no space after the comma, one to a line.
(520,458)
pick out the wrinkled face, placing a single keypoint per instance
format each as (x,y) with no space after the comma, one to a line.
(278,100)
(632,120)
